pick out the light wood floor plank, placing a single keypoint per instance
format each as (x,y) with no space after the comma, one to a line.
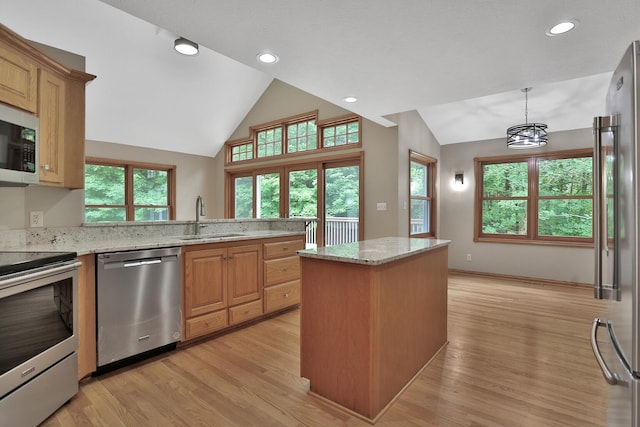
(518,355)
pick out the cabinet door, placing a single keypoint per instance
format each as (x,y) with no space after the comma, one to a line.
(18,80)
(244,269)
(205,282)
(51,108)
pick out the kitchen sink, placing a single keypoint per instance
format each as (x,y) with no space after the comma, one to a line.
(210,236)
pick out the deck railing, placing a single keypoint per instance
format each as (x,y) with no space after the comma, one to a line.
(337,230)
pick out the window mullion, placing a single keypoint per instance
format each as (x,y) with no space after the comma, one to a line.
(128,192)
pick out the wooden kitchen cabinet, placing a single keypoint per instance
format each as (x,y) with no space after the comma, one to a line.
(217,276)
(282,273)
(35,82)
(18,78)
(86,316)
(51,110)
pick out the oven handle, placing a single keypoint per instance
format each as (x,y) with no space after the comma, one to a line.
(41,273)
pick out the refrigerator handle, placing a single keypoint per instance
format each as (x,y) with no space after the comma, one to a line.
(597,208)
(600,209)
(611,377)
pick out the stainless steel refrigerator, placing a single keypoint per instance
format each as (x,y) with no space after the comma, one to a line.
(615,338)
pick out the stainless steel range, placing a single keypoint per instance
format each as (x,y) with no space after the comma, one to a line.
(38,335)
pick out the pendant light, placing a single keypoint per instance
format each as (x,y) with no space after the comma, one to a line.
(528,135)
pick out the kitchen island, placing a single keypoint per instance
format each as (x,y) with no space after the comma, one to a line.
(373,314)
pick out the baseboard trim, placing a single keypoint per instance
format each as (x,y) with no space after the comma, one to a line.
(522,279)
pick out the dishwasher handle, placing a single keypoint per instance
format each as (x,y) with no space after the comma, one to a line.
(139,262)
(142,262)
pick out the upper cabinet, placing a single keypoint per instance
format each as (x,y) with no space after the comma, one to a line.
(35,82)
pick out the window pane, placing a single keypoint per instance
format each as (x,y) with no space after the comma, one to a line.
(244,197)
(268,193)
(151,214)
(418,180)
(104,214)
(505,180)
(342,205)
(104,185)
(150,187)
(504,217)
(303,193)
(420,216)
(566,177)
(572,218)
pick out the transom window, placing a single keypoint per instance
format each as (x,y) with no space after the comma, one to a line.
(536,198)
(126,191)
(294,136)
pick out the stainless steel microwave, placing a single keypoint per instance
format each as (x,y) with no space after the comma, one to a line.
(19,136)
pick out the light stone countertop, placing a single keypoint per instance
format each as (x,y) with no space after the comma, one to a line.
(374,251)
(149,242)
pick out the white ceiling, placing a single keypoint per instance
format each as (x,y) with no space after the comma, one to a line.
(459,63)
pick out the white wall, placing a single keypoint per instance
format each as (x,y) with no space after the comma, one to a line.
(413,134)
(525,260)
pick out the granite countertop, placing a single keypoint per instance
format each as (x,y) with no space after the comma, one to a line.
(375,251)
(109,245)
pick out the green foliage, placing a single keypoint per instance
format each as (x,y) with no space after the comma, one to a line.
(303,193)
(105,185)
(564,191)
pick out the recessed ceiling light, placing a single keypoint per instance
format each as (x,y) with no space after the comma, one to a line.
(350,99)
(267,58)
(185,47)
(562,27)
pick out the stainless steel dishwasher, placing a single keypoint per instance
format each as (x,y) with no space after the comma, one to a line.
(138,302)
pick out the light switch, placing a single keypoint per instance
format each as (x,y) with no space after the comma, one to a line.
(382,206)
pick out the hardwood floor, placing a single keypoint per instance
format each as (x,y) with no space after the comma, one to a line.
(518,355)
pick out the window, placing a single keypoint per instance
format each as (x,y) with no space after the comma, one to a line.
(327,188)
(422,206)
(125,191)
(294,136)
(543,198)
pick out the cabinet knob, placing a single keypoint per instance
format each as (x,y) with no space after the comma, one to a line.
(46,167)
(285,269)
(247,312)
(286,295)
(286,248)
(206,323)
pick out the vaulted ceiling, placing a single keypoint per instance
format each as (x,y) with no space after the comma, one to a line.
(459,63)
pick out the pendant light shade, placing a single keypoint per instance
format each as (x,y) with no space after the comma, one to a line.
(527,135)
(185,47)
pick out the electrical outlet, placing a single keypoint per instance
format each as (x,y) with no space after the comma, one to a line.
(36,219)
(468,257)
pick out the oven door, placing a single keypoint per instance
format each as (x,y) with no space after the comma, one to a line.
(38,322)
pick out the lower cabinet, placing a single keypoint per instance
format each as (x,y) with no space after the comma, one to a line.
(86,315)
(229,283)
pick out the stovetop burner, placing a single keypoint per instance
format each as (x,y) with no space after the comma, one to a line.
(14,262)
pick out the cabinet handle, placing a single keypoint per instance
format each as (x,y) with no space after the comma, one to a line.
(286,295)
(206,323)
(45,167)
(247,311)
(286,248)
(230,257)
(285,269)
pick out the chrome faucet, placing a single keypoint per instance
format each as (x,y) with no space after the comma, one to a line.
(200,210)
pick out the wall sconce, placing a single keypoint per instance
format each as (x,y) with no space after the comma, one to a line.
(458,179)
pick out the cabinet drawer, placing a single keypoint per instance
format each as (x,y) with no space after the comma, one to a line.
(244,312)
(282,249)
(205,324)
(281,296)
(281,270)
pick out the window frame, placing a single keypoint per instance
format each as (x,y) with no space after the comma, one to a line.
(533,198)
(284,167)
(283,125)
(129,166)
(431,164)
